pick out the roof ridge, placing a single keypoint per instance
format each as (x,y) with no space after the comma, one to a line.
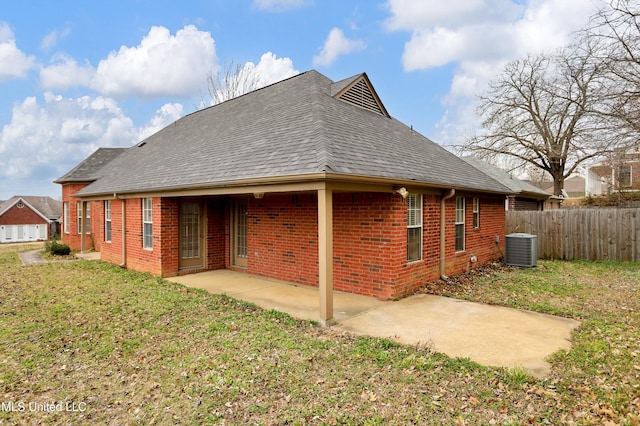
(324,154)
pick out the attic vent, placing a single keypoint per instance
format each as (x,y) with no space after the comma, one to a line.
(360,94)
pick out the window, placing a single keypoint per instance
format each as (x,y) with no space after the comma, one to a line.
(147,223)
(624,176)
(107,220)
(88,217)
(459,223)
(65,219)
(476,212)
(414,227)
(79,216)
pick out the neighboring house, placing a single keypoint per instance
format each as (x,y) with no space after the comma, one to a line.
(620,173)
(574,187)
(525,196)
(307,180)
(29,218)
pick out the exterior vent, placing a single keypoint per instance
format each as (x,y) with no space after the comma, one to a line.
(360,94)
(521,250)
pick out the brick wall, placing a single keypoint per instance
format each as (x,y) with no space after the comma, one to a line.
(517,203)
(283,237)
(138,257)
(21,216)
(73,238)
(369,242)
(217,238)
(370,232)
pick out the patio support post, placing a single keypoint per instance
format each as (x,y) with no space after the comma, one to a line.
(325,255)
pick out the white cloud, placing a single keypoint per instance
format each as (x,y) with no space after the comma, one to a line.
(479,37)
(271,69)
(50,40)
(65,72)
(43,141)
(161,65)
(335,45)
(13,63)
(278,5)
(167,114)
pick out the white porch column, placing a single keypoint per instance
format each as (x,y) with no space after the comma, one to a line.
(325,254)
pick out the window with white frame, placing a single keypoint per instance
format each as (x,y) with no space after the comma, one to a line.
(414,227)
(107,220)
(88,217)
(65,213)
(476,212)
(147,223)
(624,176)
(79,216)
(459,223)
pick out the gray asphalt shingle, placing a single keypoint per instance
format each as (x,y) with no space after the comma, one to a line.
(294,127)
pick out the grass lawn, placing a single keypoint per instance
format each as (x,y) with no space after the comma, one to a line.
(89,343)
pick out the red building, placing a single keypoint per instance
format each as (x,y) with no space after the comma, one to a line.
(307,180)
(29,218)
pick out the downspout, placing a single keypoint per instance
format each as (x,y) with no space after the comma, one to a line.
(450,194)
(124,232)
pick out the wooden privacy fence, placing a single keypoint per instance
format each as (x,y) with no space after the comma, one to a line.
(589,234)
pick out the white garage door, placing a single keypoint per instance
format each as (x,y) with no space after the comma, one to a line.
(20,233)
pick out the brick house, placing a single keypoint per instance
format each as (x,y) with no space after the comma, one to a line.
(29,218)
(307,180)
(619,173)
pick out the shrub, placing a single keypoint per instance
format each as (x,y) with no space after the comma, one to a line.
(56,248)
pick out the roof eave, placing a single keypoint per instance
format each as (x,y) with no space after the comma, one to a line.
(288,183)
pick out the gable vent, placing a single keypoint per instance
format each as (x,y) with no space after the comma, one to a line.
(360,94)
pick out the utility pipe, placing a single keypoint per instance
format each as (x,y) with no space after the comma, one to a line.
(444,198)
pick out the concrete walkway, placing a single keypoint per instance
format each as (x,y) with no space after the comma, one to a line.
(32,257)
(490,335)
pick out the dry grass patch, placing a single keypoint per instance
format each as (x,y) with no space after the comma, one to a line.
(132,348)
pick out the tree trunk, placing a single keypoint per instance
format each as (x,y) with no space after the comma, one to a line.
(558,185)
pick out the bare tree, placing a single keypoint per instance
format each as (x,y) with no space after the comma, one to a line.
(230,81)
(541,112)
(617,27)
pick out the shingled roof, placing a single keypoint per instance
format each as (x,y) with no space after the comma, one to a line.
(46,207)
(519,187)
(299,126)
(89,169)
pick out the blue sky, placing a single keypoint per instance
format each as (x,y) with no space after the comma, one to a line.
(75,76)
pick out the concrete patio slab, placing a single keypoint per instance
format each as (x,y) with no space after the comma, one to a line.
(490,335)
(299,301)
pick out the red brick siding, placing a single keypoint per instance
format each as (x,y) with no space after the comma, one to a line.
(283,237)
(96,222)
(23,216)
(112,251)
(370,231)
(138,257)
(517,203)
(369,242)
(479,242)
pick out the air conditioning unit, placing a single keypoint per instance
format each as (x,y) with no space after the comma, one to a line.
(521,250)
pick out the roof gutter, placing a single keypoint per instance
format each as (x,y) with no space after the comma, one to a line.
(444,198)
